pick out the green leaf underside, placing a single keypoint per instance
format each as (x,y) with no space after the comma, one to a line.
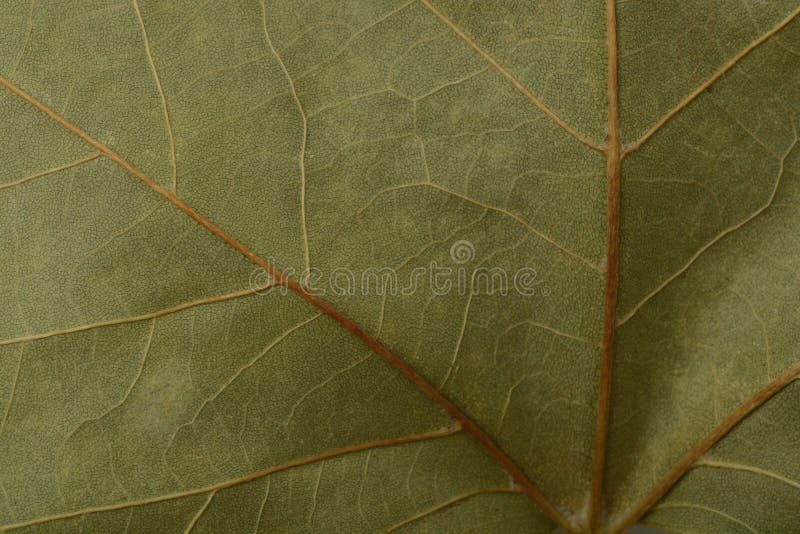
(144,386)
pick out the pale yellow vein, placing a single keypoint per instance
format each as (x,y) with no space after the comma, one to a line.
(13,392)
(127,394)
(448,503)
(702,250)
(302,157)
(247,365)
(54,170)
(200,513)
(27,41)
(490,207)
(136,318)
(506,74)
(162,96)
(749,469)
(225,484)
(708,509)
(709,81)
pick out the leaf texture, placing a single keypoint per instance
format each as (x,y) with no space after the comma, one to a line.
(175,171)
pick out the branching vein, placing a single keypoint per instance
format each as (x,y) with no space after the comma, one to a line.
(255,475)
(137,318)
(716,239)
(470,426)
(54,170)
(695,454)
(448,503)
(162,96)
(527,92)
(748,469)
(713,78)
(302,158)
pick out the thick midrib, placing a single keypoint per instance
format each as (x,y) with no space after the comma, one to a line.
(469,426)
(613,154)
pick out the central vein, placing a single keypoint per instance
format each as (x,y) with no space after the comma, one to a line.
(614,157)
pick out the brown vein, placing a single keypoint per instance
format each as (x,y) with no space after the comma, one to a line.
(162,96)
(448,503)
(688,460)
(612,273)
(713,78)
(137,318)
(255,475)
(469,426)
(524,90)
(51,171)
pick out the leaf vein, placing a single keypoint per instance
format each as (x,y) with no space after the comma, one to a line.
(516,217)
(749,469)
(302,157)
(716,239)
(54,170)
(162,96)
(137,318)
(447,504)
(709,81)
(200,513)
(706,509)
(255,475)
(469,426)
(506,74)
(692,456)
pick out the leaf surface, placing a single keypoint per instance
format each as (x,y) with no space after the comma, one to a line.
(183,180)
